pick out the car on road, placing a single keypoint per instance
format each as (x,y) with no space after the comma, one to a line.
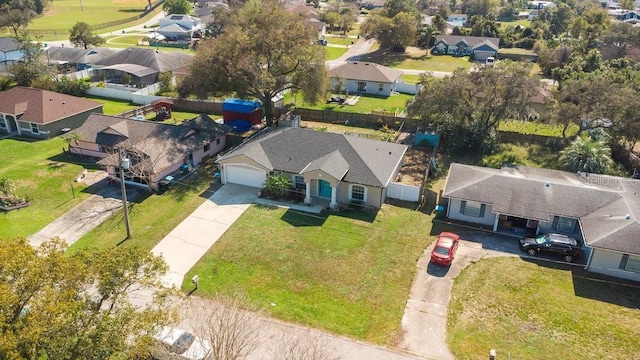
(445,249)
(559,244)
(182,343)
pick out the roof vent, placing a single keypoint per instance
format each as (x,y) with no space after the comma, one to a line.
(50,99)
(64,102)
(628,216)
(547,184)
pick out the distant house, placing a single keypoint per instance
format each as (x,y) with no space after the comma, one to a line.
(9,52)
(535,7)
(479,47)
(41,113)
(155,149)
(320,26)
(186,22)
(603,212)
(371,4)
(143,65)
(365,78)
(456,20)
(334,167)
(629,16)
(81,59)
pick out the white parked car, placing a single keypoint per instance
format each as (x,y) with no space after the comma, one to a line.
(490,61)
(182,343)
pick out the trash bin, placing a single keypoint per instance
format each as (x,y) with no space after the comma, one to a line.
(440,211)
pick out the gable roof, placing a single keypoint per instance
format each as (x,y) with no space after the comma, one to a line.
(8,44)
(43,106)
(158,61)
(172,28)
(366,71)
(164,144)
(77,56)
(473,41)
(608,207)
(348,158)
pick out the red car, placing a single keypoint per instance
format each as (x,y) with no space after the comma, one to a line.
(445,249)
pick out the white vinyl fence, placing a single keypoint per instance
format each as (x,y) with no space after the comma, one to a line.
(403,192)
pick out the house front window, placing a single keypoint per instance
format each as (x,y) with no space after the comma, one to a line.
(34,128)
(633,264)
(298,182)
(566,225)
(362,86)
(472,208)
(207,147)
(358,193)
(380,87)
(2,124)
(218,141)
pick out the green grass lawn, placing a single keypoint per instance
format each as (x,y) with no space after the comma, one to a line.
(339,272)
(113,106)
(42,172)
(333,53)
(411,79)
(365,105)
(518,51)
(531,127)
(528,311)
(523,23)
(126,40)
(416,59)
(152,218)
(340,40)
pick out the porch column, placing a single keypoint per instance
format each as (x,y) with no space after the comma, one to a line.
(495,223)
(307,191)
(333,204)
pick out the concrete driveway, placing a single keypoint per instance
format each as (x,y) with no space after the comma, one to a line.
(192,238)
(424,322)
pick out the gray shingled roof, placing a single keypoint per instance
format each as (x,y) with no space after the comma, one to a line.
(472,41)
(163,143)
(365,71)
(370,162)
(608,207)
(333,164)
(8,44)
(158,61)
(77,56)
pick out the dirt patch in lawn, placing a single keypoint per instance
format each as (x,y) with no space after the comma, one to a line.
(415,163)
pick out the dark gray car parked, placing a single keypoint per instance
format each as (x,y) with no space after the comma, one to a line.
(563,245)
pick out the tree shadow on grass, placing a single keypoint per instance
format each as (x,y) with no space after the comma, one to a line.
(59,160)
(298,218)
(388,58)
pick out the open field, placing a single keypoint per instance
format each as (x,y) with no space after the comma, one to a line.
(417,59)
(349,273)
(535,310)
(45,175)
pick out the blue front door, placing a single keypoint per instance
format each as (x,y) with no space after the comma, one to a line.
(324,189)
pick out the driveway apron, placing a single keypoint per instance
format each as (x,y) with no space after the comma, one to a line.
(192,238)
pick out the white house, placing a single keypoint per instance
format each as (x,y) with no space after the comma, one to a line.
(536,6)
(178,25)
(9,52)
(365,78)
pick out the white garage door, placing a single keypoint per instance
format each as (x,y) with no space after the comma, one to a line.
(483,55)
(245,175)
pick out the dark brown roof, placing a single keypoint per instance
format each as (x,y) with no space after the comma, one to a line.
(365,71)
(43,106)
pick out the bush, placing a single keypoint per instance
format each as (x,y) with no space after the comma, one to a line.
(277,186)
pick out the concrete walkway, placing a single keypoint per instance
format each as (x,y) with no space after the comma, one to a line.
(424,323)
(192,238)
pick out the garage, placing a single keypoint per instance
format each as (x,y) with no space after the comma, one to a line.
(481,55)
(244,175)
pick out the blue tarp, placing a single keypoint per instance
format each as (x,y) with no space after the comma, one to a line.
(240,106)
(240,125)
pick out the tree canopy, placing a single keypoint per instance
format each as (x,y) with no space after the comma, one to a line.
(265,51)
(467,107)
(18,14)
(176,7)
(59,306)
(81,36)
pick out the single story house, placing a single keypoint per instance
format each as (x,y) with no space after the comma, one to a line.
(536,6)
(173,32)
(41,113)
(628,16)
(479,47)
(365,78)
(457,20)
(320,26)
(335,167)
(81,59)
(9,52)
(371,4)
(155,149)
(601,211)
(186,22)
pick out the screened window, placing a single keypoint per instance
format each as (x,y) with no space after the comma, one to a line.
(218,141)
(362,86)
(472,208)
(380,87)
(357,192)
(633,264)
(566,225)
(2,125)
(207,147)
(298,182)
(34,128)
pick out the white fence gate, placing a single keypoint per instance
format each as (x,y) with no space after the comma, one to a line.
(403,192)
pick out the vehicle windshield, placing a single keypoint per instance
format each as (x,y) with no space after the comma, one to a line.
(541,240)
(442,250)
(183,342)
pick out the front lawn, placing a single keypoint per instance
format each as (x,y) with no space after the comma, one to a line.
(333,53)
(340,271)
(526,310)
(365,105)
(44,174)
(417,59)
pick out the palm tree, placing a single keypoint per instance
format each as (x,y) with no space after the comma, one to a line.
(591,156)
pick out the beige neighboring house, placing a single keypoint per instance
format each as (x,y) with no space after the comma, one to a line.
(335,167)
(42,114)
(602,212)
(156,150)
(365,78)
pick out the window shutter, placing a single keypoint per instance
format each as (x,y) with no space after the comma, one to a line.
(463,205)
(483,207)
(623,261)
